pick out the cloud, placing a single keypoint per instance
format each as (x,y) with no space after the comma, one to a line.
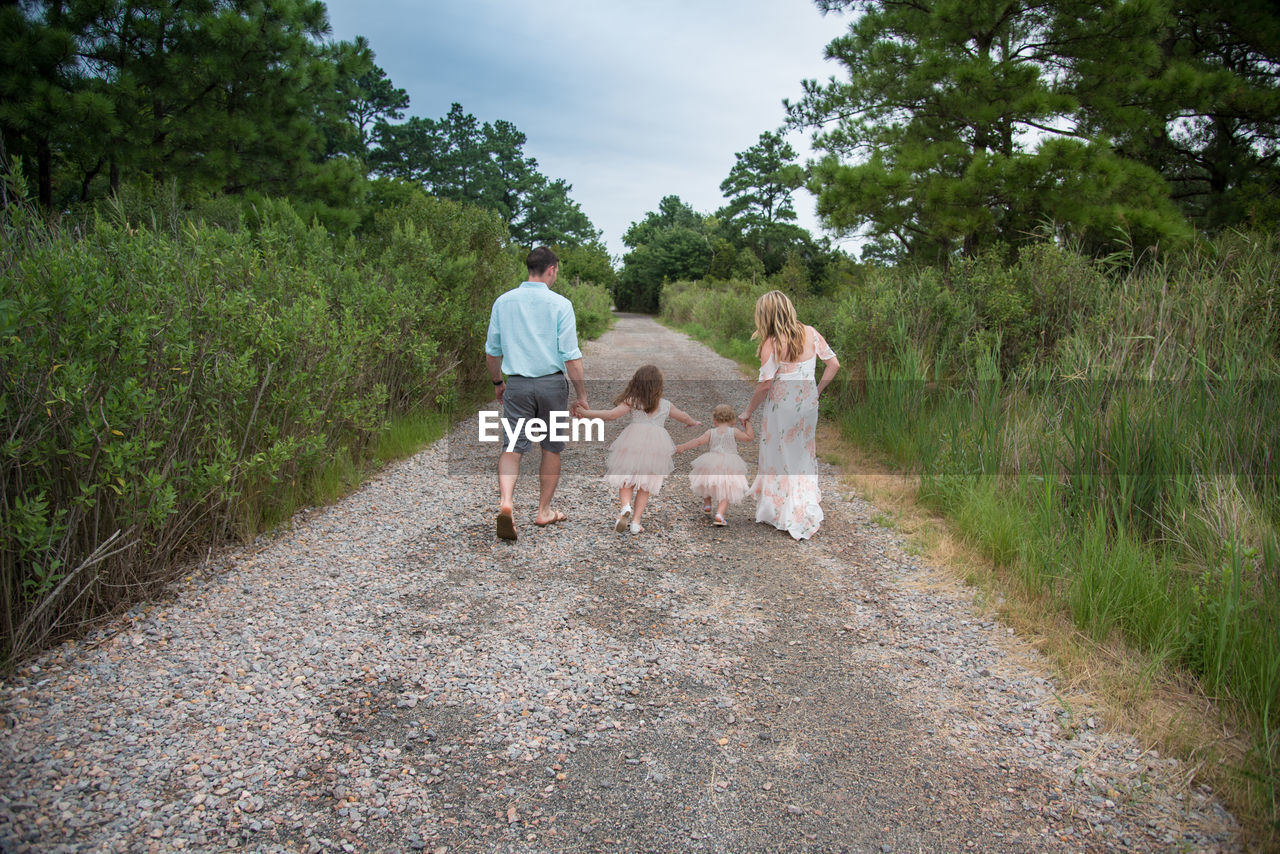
(628,102)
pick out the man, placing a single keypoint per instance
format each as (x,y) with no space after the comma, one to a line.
(533,339)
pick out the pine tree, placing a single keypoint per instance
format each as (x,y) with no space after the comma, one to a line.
(370,96)
(761,212)
(1191,89)
(958,127)
(47,107)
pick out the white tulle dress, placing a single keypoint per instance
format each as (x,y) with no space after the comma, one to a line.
(641,455)
(720,473)
(786,485)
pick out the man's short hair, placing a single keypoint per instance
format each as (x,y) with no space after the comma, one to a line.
(540,259)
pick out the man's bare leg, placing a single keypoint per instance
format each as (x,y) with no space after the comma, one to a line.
(508,471)
(548,479)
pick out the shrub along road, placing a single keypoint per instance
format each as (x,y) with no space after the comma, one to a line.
(387,675)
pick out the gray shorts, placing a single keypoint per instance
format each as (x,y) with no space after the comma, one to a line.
(535,397)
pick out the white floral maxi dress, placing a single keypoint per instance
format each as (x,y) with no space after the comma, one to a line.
(786,485)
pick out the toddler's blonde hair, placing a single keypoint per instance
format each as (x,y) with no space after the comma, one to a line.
(723,414)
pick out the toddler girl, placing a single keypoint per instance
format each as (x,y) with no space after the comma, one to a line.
(640,458)
(719,475)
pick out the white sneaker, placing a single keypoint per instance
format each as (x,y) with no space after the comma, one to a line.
(635,528)
(624,518)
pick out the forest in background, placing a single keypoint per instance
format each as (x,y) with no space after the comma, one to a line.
(953,129)
(240,101)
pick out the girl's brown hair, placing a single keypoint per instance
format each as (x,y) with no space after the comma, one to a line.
(722,414)
(776,319)
(644,391)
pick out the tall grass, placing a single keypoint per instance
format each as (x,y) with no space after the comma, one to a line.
(1106,431)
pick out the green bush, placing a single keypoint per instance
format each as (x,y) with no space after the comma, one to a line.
(592,306)
(164,386)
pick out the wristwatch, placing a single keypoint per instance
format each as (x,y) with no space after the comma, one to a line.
(499,382)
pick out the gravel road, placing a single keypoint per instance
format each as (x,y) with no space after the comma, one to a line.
(386,675)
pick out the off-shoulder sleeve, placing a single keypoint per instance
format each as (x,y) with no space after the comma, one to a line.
(823,350)
(769,368)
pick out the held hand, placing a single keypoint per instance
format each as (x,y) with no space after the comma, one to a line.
(695,424)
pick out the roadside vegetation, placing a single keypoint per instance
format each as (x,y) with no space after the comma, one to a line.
(171,384)
(234,276)
(1103,431)
(1063,328)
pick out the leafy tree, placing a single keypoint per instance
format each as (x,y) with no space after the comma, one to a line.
(1192,90)
(761,213)
(669,244)
(966,132)
(676,254)
(671,213)
(680,253)
(747,267)
(459,158)
(724,258)
(370,95)
(586,263)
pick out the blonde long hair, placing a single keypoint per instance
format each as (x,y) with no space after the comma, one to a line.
(776,319)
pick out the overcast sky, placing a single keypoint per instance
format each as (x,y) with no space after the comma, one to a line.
(627,101)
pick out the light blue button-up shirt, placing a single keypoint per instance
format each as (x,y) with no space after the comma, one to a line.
(534,330)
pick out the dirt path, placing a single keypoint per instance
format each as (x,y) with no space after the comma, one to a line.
(388,676)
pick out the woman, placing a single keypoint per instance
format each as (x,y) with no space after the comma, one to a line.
(786,484)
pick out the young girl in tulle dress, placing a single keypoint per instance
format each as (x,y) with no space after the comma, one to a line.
(719,476)
(640,458)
